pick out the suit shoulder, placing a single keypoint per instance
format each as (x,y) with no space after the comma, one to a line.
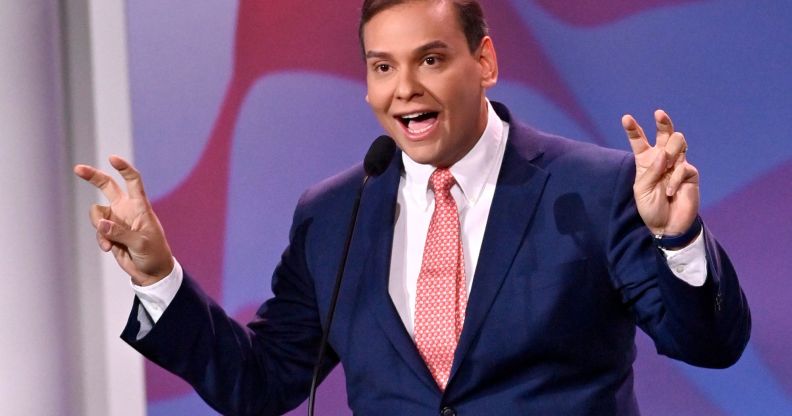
(574,156)
(330,192)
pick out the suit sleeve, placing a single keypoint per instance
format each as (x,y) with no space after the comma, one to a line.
(260,369)
(706,326)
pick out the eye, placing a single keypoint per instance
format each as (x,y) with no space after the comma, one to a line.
(433,60)
(382,68)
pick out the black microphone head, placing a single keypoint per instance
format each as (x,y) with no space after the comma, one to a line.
(379,155)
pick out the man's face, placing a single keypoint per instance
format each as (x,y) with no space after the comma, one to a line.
(424,85)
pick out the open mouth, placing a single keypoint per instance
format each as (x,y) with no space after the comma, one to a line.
(418,123)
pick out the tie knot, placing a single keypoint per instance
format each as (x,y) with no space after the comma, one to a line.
(441,181)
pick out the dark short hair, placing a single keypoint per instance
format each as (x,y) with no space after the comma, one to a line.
(469,12)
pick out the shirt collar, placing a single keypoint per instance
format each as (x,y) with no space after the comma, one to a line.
(470,172)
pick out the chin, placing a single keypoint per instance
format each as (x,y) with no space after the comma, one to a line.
(423,158)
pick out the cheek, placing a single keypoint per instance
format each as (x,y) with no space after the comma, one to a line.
(378,104)
(378,96)
(454,89)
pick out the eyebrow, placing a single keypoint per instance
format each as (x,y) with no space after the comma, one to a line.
(437,44)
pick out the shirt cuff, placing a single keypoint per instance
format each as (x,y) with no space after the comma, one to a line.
(689,263)
(156,298)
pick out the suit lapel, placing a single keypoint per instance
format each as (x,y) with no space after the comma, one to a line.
(374,243)
(519,189)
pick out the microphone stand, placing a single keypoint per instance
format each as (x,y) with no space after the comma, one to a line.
(376,161)
(334,301)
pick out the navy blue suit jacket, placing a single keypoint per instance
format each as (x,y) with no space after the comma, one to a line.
(567,270)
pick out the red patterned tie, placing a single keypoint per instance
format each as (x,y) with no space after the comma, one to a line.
(441,296)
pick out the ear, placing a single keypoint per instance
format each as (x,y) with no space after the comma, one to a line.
(488,61)
(367,99)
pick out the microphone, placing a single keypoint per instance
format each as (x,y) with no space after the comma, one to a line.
(377,160)
(379,156)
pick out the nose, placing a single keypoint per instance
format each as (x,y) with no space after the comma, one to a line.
(409,86)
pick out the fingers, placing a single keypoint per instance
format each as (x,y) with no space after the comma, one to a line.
(131,176)
(108,185)
(676,148)
(638,140)
(653,175)
(676,151)
(115,233)
(99,179)
(635,134)
(669,162)
(665,128)
(104,244)
(98,212)
(683,173)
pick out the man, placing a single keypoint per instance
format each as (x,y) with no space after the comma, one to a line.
(495,269)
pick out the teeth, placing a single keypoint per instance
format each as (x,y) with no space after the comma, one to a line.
(414,115)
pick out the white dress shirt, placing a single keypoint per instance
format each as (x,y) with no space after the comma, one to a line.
(476,176)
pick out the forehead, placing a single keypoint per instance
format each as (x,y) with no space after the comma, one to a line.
(411,24)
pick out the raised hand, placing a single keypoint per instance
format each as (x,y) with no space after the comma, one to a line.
(128,226)
(666,186)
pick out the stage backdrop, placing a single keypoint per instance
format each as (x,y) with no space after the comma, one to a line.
(239,106)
